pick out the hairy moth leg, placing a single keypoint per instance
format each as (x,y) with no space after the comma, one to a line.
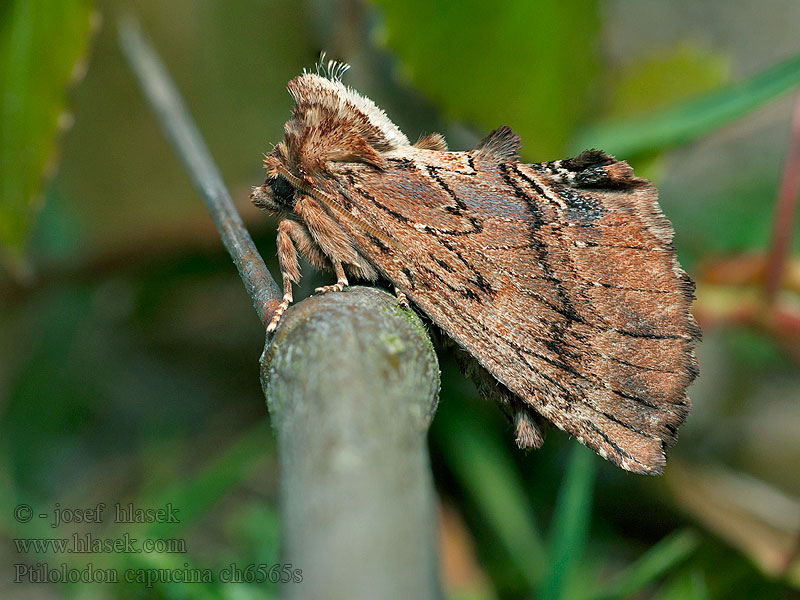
(402,299)
(331,238)
(528,424)
(307,247)
(290,233)
(341,280)
(334,242)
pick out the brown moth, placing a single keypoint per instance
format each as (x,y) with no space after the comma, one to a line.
(558,278)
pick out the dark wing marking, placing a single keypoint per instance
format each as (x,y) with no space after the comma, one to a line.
(570,297)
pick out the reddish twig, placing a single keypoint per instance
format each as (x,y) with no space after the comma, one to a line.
(784,210)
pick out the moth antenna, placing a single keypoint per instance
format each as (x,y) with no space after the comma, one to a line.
(329,69)
(338,69)
(320,63)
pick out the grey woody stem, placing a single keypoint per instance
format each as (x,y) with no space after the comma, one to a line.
(351,381)
(353,385)
(177,123)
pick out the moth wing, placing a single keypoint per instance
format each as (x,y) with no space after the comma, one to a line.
(559,278)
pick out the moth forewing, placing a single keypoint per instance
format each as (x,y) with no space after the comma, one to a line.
(558,278)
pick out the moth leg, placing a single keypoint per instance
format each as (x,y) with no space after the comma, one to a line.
(527,423)
(290,269)
(402,299)
(341,280)
(527,427)
(307,247)
(334,242)
(287,300)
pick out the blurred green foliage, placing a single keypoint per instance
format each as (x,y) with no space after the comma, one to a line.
(664,79)
(40,44)
(128,369)
(686,121)
(545,51)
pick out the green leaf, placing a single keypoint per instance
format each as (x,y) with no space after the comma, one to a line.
(486,471)
(665,78)
(689,120)
(661,80)
(570,524)
(654,563)
(40,43)
(518,63)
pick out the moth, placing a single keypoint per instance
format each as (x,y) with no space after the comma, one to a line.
(559,279)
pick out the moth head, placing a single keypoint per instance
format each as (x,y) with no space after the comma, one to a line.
(330,123)
(333,123)
(278,193)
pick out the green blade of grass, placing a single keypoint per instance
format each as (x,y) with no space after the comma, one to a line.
(197,495)
(570,524)
(689,585)
(485,469)
(659,559)
(40,44)
(689,120)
